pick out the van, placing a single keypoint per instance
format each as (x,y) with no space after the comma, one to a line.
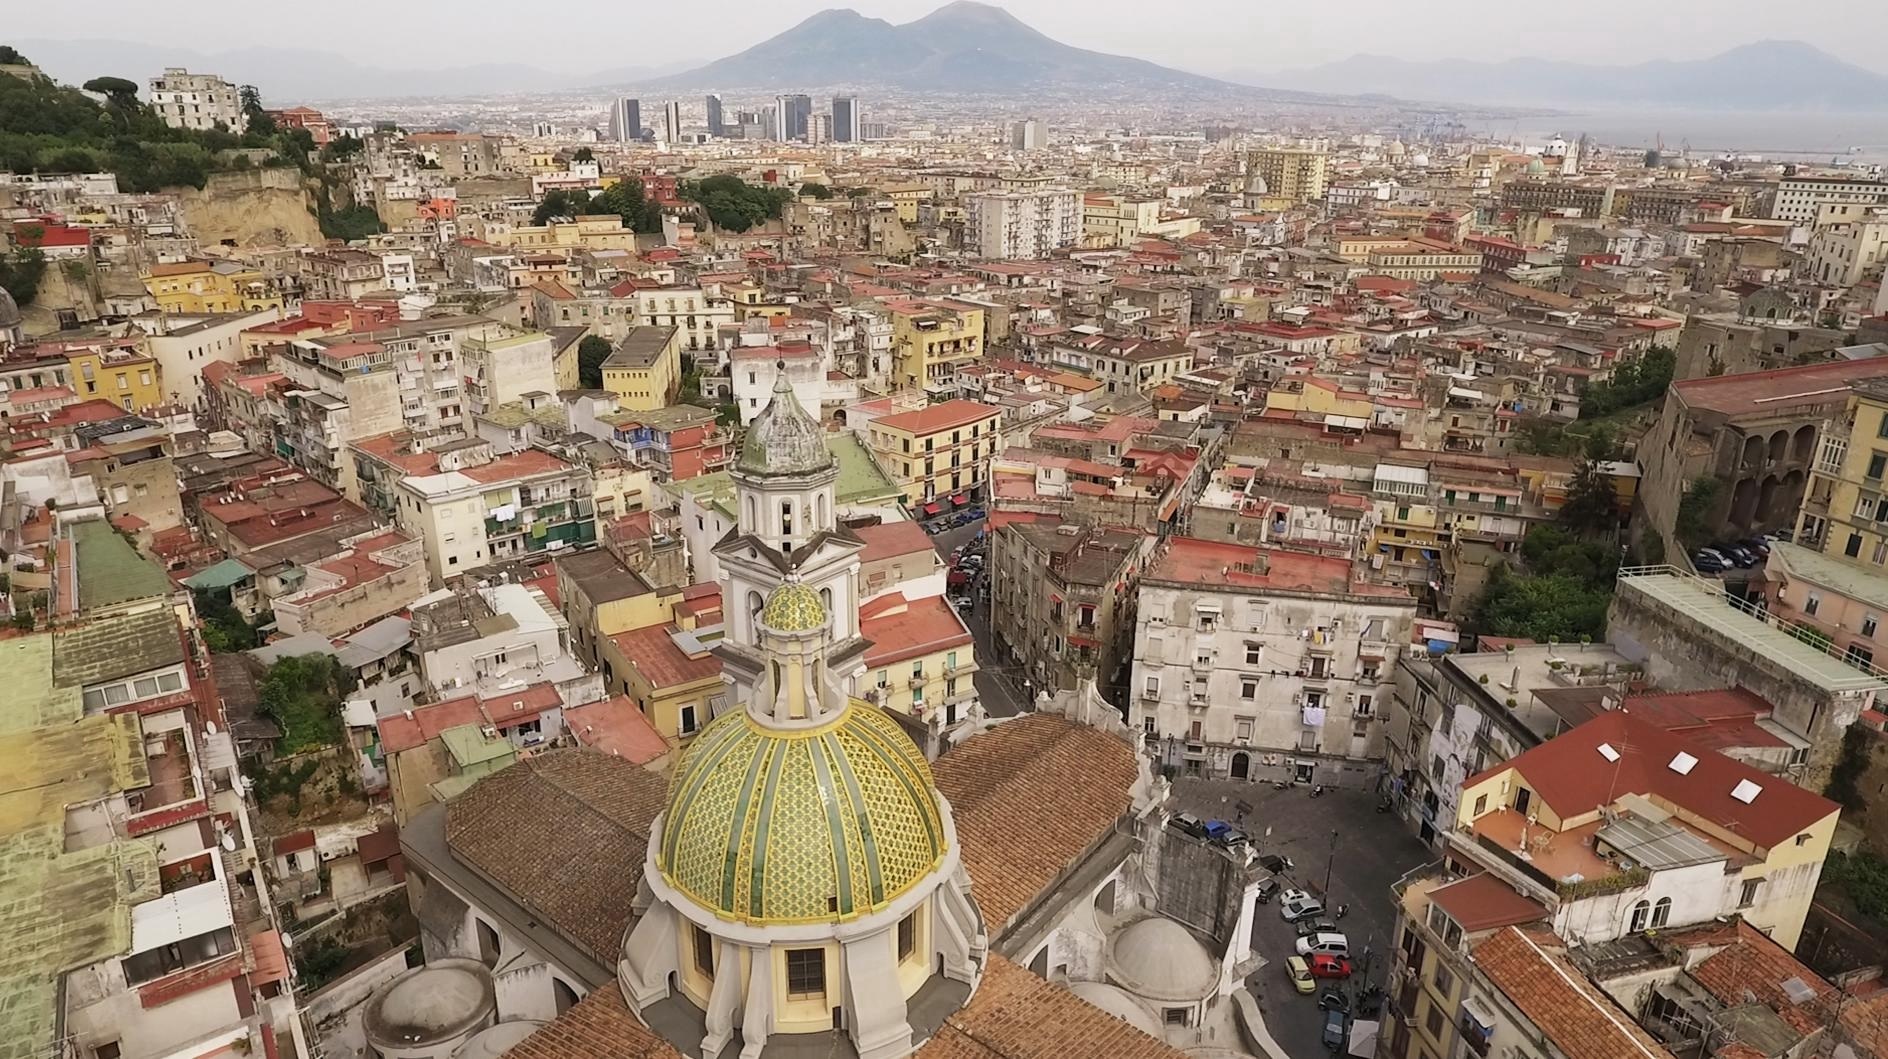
(1328,944)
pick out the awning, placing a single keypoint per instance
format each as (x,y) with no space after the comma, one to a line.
(933,508)
(1345,422)
(225,574)
(960,500)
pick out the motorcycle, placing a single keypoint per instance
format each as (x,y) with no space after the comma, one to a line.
(1279,785)
(1317,791)
(1383,805)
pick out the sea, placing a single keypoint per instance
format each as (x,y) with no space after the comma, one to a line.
(1853,138)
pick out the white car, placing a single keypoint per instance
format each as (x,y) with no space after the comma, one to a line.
(1294,905)
(1329,944)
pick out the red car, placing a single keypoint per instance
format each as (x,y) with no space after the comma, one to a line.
(1324,965)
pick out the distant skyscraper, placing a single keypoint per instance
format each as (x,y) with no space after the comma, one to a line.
(1026,135)
(770,123)
(819,129)
(715,127)
(671,122)
(626,120)
(793,112)
(845,119)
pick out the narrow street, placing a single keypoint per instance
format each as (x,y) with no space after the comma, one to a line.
(1001,696)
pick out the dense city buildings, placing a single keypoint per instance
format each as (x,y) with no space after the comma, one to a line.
(1110,563)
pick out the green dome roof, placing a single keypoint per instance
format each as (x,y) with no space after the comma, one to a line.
(795,826)
(783,439)
(793,607)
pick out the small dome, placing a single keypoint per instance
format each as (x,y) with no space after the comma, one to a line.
(1158,959)
(9,310)
(783,440)
(437,1002)
(1536,167)
(494,1041)
(819,824)
(1115,1001)
(793,607)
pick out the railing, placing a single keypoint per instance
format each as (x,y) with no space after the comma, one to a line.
(1809,635)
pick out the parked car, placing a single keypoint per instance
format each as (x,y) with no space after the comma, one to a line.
(961,603)
(1710,561)
(1221,833)
(1315,925)
(1334,1027)
(1333,999)
(1266,888)
(1757,546)
(1297,904)
(1330,943)
(1324,965)
(976,513)
(1299,972)
(1783,535)
(1275,864)
(1741,556)
(1187,824)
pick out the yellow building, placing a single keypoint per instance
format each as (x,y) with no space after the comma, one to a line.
(1631,828)
(1116,220)
(645,369)
(905,198)
(1290,175)
(589,232)
(130,380)
(200,287)
(1314,397)
(938,452)
(1848,483)
(670,673)
(921,659)
(931,340)
(600,597)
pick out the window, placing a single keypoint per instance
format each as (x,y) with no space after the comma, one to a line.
(1481,804)
(1432,1022)
(1811,603)
(1242,729)
(704,951)
(1854,547)
(1253,653)
(1248,689)
(1661,912)
(1877,463)
(907,936)
(1749,895)
(806,973)
(687,724)
(1152,689)
(1174,1016)
(1443,978)
(1365,707)
(1636,919)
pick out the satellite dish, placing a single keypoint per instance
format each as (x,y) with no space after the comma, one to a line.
(209,727)
(229,842)
(288,940)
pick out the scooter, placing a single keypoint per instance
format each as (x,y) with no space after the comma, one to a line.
(1383,805)
(1317,791)
(1279,785)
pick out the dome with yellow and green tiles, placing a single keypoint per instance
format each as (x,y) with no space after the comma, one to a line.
(793,607)
(822,824)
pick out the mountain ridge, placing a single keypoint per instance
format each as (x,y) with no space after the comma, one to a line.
(1761,75)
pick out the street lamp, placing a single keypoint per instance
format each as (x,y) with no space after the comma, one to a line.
(1330,861)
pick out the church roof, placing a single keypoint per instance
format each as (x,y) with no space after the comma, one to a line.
(821,824)
(783,440)
(793,607)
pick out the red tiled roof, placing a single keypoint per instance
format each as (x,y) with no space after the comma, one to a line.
(522,464)
(422,723)
(1582,1021)
(653,653)
(888,539)
(1484,902)
(902,629)
(1750,964)
(945,416)
(615,726)
(1566,771)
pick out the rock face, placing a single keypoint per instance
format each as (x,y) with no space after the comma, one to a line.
(257,207)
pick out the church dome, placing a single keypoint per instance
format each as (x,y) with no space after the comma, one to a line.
(821,824)
(793,607)
(1158,959)
(9,310)
(783,439)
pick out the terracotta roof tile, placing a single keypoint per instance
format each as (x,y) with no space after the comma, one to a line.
(1020,822)
(1582,1021)
(603,806)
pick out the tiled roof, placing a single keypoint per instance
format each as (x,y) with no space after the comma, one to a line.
(1582,1021)
(1752,965)
(945,416)
(918,628)
(1484,902)
(603,806)
(654,654)
(1020,822)
(888,539)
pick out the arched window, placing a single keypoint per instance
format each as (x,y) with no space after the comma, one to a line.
(563,996)
(786,518)
(753,515)
(825,520)
(754,605)
(1635,923)
(1661,912)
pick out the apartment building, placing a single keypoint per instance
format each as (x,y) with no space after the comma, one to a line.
(197,101)
(342,275)
(921,660)
(1841,254)
(1287,175)
(333,393)
(1021,225)
(186,345)
(477,508)
(644,371)
(499,370)
(1264,664)
(191,287)
(459,154)
(939,452)
(1116,220)
(1799,198)
(1062,599)
(931,339)
(1423,260)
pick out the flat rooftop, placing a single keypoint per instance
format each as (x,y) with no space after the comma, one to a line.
(1530,668)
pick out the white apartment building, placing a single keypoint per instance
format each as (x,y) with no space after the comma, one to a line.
(1022,225)
(1798,198)
(1262,664)
(1841,254)
(477,509)
(184,346)
(197,101)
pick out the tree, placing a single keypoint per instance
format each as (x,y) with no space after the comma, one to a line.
(303,694)
(349,223)
(114,88)
(1592,504)
(734,204)
(625,199)
(10,56)
(591,353)
(224,628)
(815,191)
(1693,524)
(584,154)
(1562,594)
(559,203)
(1634,382)
(21,272)
(341,148)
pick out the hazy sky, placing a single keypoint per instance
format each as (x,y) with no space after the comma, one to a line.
(1204,35)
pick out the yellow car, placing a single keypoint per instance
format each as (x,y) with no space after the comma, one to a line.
(1299,972)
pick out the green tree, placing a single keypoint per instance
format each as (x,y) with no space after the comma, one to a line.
(224,628)
(303,694)
(557,203)
(584,154)
(21,272)
(815,191)
(349,223)
(1635,382)
(1554,607)
(342,148)
(1693,524)
(115,88)
(1864,877)
(591,353)
(733,204)
(10,56)
(1592,504)
(625,198)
